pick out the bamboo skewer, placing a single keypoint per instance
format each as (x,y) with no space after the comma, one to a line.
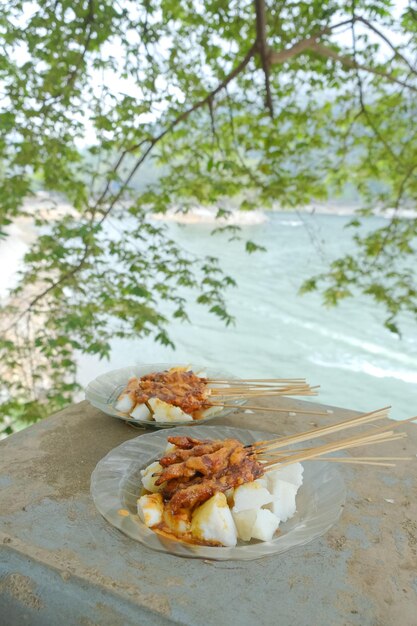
(325,430)
(362,462)
(357,438)
(248,389)
(362,459)
(333,447)
(379,435)
(261,385)
(257,388)
(263,394)
(314,454)
(344,444)
(238,381)
(268,387)
(353,443)
(273,409)
(365,459)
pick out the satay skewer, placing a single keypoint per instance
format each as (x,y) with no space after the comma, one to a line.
(378,435)
(245,407)
(302,385)
(238,381)
(260,392)
(324,430)
(352,442)
(253,387)
(383,461)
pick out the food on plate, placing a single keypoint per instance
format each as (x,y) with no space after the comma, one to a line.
(150,476)
(166,412)
(151,509)
(213,522)
(175,395)
(215,492)
(180,395)
(251,495)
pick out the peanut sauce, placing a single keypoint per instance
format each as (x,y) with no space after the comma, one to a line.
(166,532)
(179,388)
(194,472)
(215,467)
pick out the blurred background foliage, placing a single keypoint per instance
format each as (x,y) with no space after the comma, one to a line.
(131,107)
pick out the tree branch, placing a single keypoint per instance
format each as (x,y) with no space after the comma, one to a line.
(363,106)
(288,53)
(215,136)
(180,118)
(152,142)
(268,57)
(262,48)
(348,61)
(235,142)
(393,221)
(313,45)
(88,23)
(304,44)
(387,41)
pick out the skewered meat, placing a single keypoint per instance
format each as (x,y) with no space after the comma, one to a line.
(189,497)
(185,443)
(211,492)
(175,395)
(179,388)
(198,478)
(207,464)
(183,447)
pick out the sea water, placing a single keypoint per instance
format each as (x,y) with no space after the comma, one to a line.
(346,350)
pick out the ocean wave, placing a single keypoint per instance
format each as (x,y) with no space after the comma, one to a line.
(290,223)
(364,367)
(365,346)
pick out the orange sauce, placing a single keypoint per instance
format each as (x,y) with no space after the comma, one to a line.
(166,532)
(182,389)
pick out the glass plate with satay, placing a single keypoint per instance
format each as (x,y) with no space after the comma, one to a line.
(163,395)
(227,493)
(119,480)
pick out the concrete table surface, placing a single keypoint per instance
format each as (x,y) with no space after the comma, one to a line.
(62,563)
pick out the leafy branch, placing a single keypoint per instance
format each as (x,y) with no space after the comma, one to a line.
(251,103)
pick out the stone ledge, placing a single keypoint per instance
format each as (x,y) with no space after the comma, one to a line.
(362,572)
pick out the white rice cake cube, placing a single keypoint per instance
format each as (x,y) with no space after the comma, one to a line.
(124,403)
(179,524)
(150,509)
(266,523)
(148,481)
(251,496)
(245,521)
(290,473)
(164,412)
(263,481)
(213,521)
(141,412)
(283,504)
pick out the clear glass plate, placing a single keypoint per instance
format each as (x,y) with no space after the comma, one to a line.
(116,484)
(104,390)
